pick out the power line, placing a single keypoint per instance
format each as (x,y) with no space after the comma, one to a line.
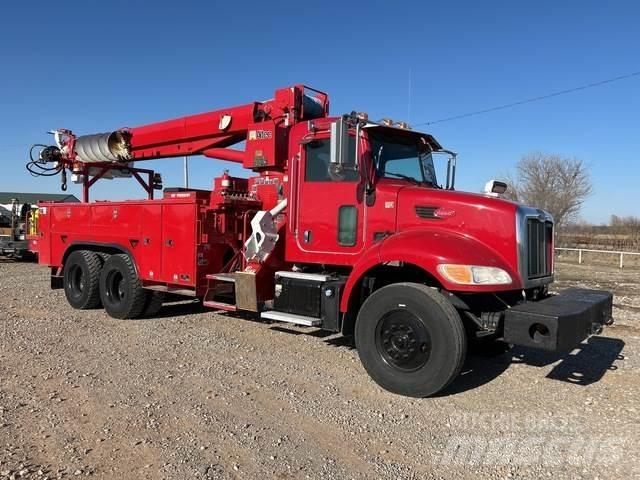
(492,109)
(530,100)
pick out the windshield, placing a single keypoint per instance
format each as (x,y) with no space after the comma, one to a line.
(401,156)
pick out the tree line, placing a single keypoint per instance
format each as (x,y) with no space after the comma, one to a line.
(560,185)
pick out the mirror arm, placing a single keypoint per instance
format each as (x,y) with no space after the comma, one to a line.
(451,168)
(453,172)
(366,169)
(357,163)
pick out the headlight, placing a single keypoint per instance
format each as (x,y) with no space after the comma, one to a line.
(474,275)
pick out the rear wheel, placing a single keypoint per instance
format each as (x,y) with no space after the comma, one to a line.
(120,288)
(81,279)
(410,339)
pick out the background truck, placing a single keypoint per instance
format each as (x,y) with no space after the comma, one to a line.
(17,221)
(344,225)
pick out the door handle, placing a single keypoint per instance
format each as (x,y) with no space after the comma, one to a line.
(307,236)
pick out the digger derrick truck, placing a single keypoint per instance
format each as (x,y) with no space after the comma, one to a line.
(343,226)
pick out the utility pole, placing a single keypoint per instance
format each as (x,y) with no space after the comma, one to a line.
(186,172)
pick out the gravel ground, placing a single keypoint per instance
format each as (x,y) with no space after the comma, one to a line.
(194,394)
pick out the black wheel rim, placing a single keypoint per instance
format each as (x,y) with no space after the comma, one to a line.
(75,280)
(115,287)
(403,340)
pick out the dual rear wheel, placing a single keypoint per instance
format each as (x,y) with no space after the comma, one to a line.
(92,279)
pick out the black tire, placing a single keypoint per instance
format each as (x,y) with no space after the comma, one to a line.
(153,303)
(410,339)
(103,256)
(120,288)
(81,279)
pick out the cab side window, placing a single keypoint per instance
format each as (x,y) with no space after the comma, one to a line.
(318,163)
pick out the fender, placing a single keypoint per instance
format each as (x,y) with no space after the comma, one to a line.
(369,259)
(79,244)
(426,248)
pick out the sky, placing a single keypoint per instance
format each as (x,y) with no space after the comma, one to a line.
(93,66)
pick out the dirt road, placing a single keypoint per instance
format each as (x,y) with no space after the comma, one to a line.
(194,394)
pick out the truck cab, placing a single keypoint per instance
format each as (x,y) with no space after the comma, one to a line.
(368,203)
(380,200)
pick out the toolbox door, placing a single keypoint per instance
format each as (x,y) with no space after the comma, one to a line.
(179,224)
(151,243)
(43,235)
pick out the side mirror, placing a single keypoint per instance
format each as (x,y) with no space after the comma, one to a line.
(495,188)
(339,145)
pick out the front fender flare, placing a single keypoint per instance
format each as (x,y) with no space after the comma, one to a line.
(427,249)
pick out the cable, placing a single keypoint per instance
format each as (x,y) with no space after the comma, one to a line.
(38,167)
(530,100)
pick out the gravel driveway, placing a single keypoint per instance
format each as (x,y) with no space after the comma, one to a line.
(195,394)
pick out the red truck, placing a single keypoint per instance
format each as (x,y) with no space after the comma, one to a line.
(343,226)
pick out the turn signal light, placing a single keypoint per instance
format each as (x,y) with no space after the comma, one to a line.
(457,273)
(474,275)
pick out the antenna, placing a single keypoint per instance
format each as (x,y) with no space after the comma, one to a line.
(409,100)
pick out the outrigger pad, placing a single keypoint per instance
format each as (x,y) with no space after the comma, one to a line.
(560,322)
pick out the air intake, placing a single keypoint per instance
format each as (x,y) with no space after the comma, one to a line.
(424,211)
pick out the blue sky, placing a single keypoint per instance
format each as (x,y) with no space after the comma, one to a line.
(94,66)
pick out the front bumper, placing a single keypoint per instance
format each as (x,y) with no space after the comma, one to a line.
(13,247)
(560,322)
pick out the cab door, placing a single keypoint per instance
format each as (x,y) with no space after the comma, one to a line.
(330,215)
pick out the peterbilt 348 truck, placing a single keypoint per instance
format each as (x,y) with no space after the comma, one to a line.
(343,225)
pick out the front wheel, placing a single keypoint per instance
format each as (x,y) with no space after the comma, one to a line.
(410,339)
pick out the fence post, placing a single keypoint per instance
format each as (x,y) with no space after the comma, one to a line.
(579,257)
(621,255)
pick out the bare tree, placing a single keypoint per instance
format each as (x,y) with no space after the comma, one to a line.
(555,183)
(626,230)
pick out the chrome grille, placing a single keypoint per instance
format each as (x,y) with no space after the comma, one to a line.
(539,237)
(534,234)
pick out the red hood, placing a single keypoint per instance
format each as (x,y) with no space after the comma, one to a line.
(478,201)
(489,220)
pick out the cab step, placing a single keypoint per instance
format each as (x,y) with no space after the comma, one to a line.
(222,277)
(291,318)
